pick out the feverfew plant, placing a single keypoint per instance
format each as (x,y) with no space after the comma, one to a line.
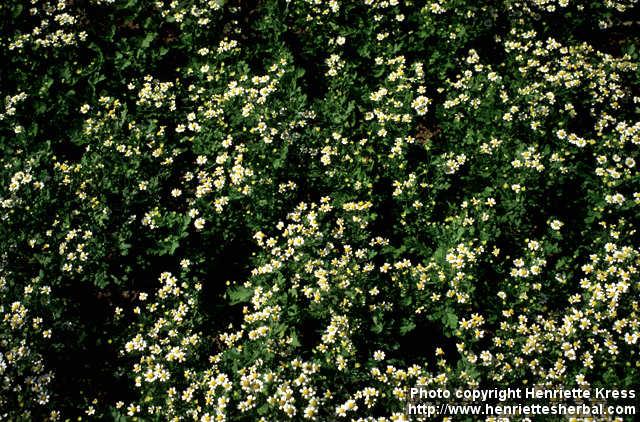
(297,210)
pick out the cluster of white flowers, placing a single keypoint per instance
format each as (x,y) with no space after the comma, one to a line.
(489,198)
(24,377)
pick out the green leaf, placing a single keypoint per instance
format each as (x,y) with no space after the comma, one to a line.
(17,10)
(450,320)
(239,294)
(146,42)
(407,326)
(295,341)
(378,326)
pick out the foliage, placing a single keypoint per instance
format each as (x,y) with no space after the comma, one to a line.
(298,209)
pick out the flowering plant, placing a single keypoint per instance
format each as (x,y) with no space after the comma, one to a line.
(298,210)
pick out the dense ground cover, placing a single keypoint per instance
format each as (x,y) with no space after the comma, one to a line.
(227,210)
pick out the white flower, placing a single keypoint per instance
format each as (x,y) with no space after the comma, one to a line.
(556,224)
(199,223)
(421,105)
